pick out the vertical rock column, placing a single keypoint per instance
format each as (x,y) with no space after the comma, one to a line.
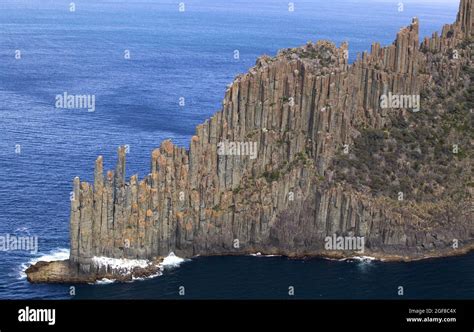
(97,211)
(464,18)
(74,221)
(119,204)
(85,227)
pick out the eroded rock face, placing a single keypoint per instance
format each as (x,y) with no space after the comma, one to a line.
(56,272)
(67,272)
(301,108)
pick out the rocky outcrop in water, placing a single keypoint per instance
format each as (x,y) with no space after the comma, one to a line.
(58,272)
(304,148)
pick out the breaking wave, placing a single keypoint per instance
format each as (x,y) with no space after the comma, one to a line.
(259,254)
(172,260)
(59,254)
(363,259)
(120,264)
(127,265)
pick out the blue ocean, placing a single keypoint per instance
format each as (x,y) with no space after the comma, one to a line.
(157,69)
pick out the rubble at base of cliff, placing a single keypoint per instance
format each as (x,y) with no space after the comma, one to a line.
(108,270)
(103,270)
(118,270)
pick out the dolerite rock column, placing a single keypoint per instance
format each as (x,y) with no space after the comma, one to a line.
(299,109)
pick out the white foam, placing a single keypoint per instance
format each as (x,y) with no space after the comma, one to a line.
(364,259)
(118,265)
(157,274)
(22,229)
(121,265)
(172,260)
(54,255)
(259,254)
(59,254)
(104,281)
(125,266)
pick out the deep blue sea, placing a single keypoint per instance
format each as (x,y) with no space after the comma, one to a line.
(173,55)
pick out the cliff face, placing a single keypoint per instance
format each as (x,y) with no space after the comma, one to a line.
(308,113)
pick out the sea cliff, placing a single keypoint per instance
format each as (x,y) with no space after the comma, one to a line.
(378,149)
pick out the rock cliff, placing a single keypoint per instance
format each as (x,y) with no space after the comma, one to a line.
(330,158)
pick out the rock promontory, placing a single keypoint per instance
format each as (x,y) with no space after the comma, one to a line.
(305,147)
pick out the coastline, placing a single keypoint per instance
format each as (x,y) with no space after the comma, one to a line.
(61,272)
(341,255)
(202,201)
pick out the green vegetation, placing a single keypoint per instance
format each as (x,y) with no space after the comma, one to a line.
(426,155)
(301,158)
(272,176)
(237,190)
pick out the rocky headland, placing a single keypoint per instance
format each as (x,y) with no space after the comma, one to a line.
(379,149)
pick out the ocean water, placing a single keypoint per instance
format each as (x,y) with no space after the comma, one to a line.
(173,55)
